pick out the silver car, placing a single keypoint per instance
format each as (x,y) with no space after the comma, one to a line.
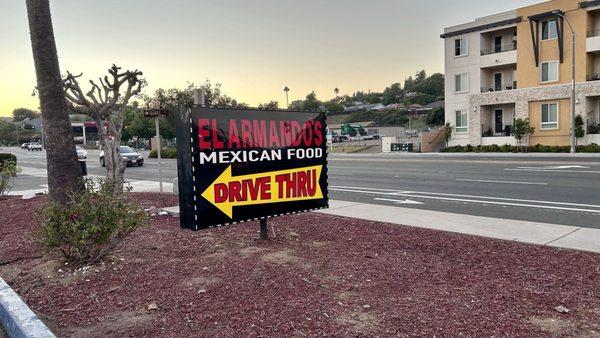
(129,156)
(81,153)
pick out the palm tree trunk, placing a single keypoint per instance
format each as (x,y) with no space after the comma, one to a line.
(64,172)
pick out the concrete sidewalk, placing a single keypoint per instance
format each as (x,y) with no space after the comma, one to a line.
(554,235)
(560,236)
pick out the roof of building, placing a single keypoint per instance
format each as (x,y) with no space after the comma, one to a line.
(483,23)
(434,105)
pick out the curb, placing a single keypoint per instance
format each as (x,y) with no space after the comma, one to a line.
(17,318)
(476,155)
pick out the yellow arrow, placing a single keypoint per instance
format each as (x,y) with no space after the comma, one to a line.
(290,185)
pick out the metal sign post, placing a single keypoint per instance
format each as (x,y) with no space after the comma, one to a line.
(158,146)
(264,232)
(157,114)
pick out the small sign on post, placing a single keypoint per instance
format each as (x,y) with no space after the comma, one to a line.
(156,114)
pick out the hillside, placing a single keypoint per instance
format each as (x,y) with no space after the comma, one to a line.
(392,118)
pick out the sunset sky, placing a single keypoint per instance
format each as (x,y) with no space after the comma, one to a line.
(253,47)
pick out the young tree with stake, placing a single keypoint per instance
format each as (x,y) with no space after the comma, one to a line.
(105,103)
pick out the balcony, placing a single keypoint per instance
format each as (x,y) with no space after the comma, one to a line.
(593,33)
(499,49)
(506,56)
(593,41)
(499,88)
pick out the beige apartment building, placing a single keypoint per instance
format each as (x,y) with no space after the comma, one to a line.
(517,64)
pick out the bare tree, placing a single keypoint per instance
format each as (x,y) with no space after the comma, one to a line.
(64,173)
(105,104)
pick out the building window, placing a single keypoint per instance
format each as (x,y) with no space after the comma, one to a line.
(550,116)
(549,30)
(550,71)
(461,83)
(461,47)
(462,125)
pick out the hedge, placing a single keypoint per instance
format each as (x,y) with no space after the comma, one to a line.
(164,153)
(7,157)
(538,148)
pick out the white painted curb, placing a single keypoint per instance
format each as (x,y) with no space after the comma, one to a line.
(17,318)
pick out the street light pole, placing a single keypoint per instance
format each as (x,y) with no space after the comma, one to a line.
(573,136)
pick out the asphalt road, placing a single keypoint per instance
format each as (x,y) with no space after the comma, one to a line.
(559,190)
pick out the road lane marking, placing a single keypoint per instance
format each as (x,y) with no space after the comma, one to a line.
(406,201)
(473,201)
(554,171)
(507,182)
(414,193)
(559,167)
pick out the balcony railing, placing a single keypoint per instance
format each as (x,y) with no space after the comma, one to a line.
(499,49)
(503,132)
(593,33)
(593,126)
(593,77)
(499,88)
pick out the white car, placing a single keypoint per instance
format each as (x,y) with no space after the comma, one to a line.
(81,153)
(130,157)
(33,146)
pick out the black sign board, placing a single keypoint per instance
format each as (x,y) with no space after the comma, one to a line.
(402,147)
(250,164)
(156,112)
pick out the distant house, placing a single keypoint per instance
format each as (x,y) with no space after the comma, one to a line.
(424,110)
(363,106)
(36,124)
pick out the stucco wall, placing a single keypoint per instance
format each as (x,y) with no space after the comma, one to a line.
(529,73)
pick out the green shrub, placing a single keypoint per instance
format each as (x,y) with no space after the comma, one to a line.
(6,158)
(164,153)
(591,148)
(8,170)
(538,148)
(92,223)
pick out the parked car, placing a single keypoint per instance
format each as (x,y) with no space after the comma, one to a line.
(411,132)
(371,137)
(81,153)
(34,146)
(25,145)
(129,156)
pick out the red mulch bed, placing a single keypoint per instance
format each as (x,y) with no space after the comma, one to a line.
(322,275)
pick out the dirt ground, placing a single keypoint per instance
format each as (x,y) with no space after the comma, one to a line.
(320,275)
